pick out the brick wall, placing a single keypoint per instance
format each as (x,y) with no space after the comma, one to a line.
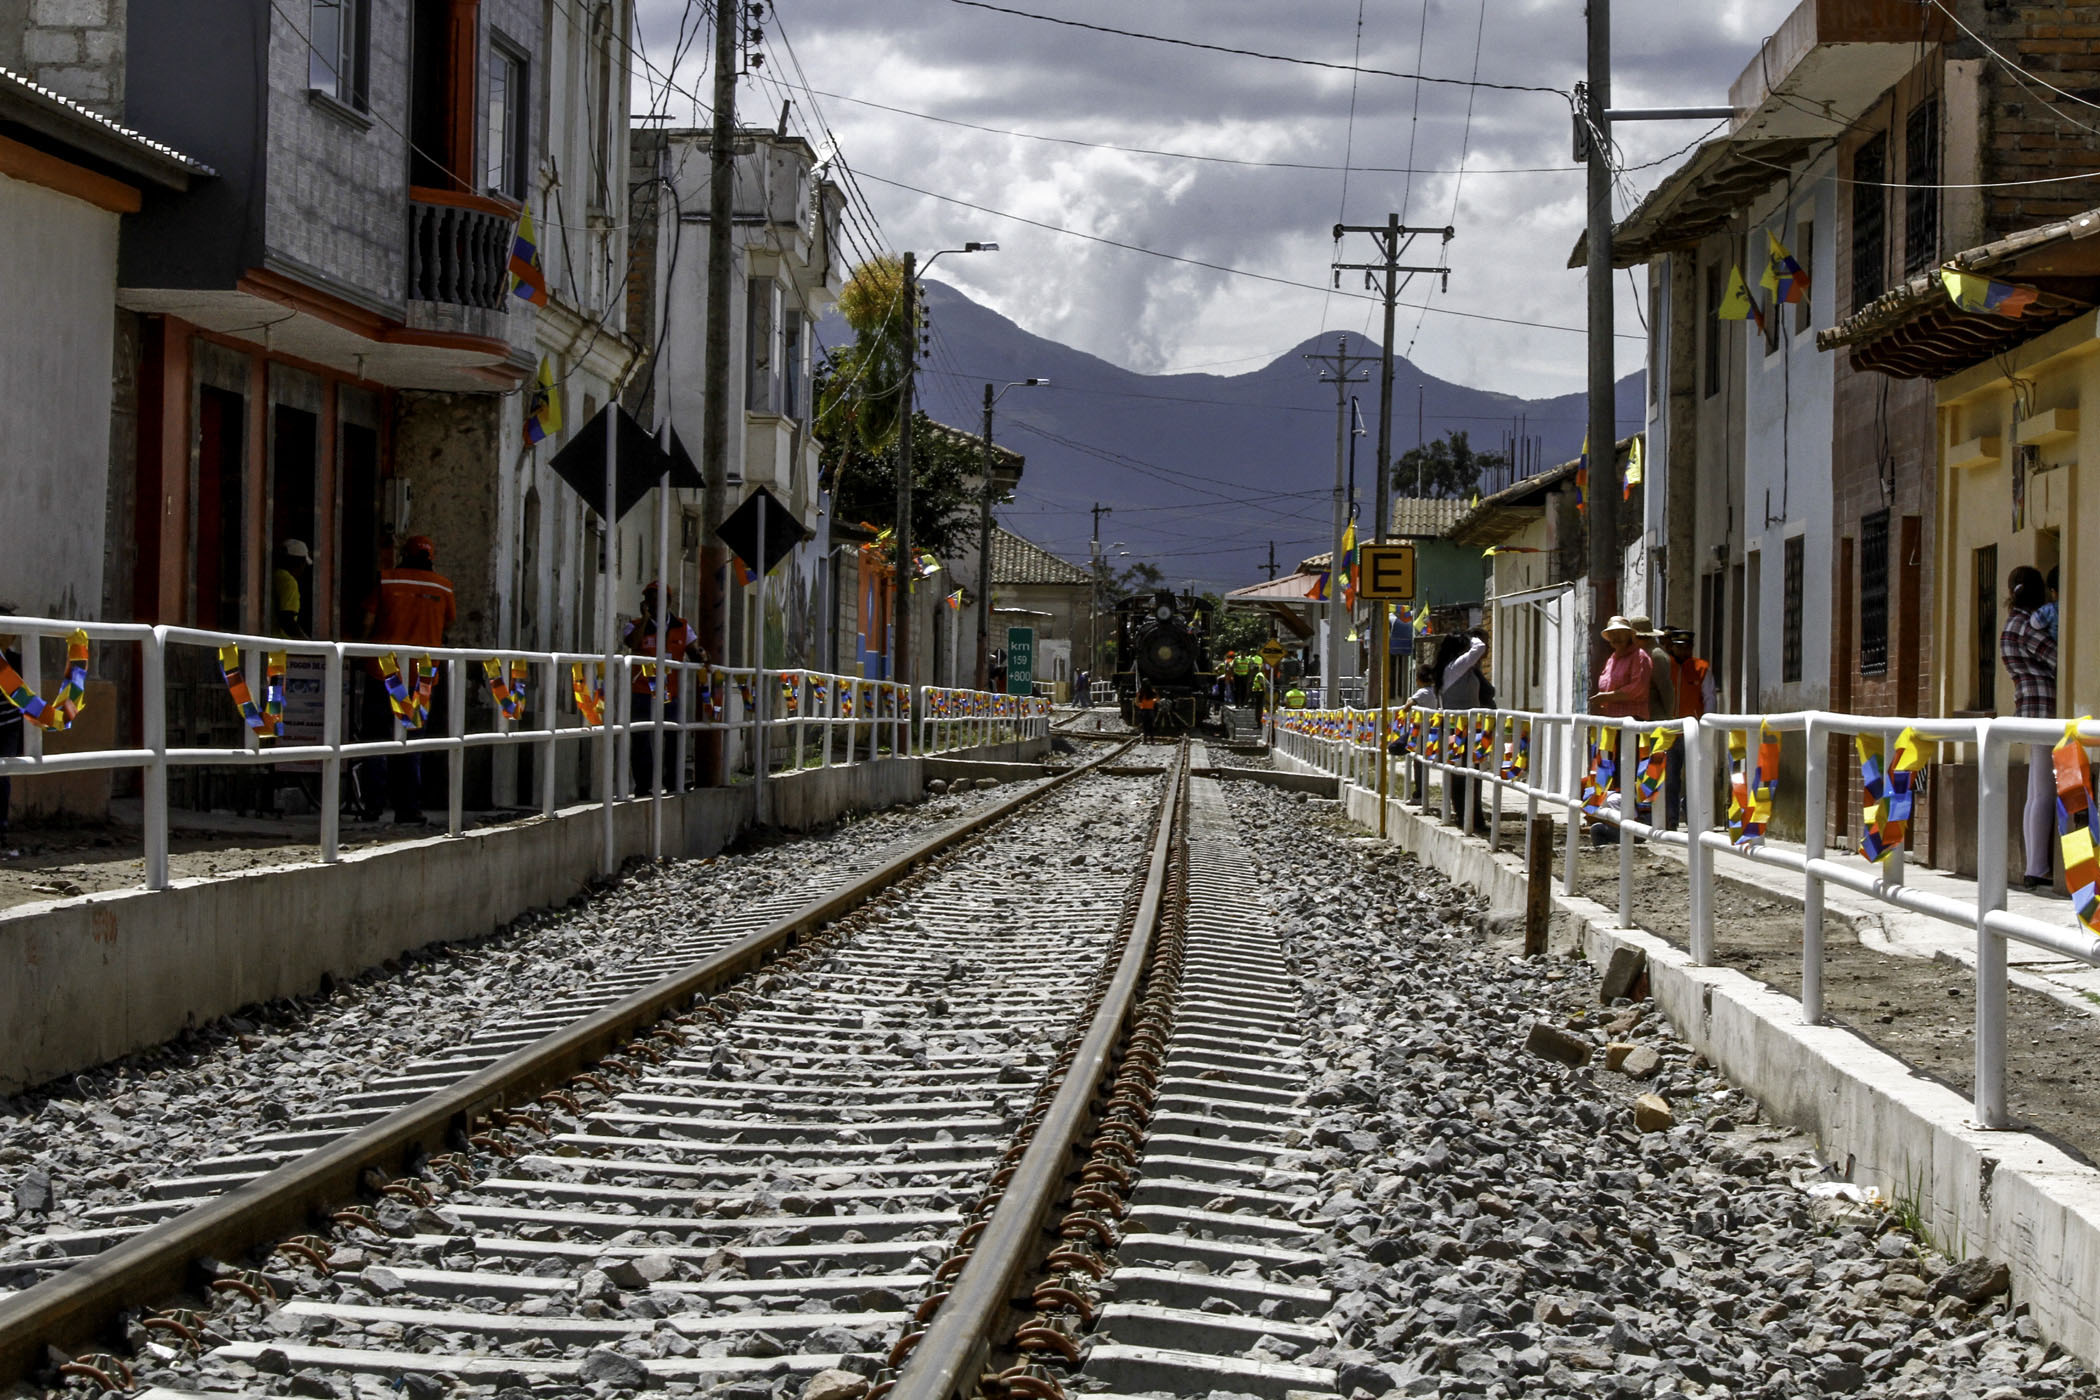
(73,47)
(2030,130)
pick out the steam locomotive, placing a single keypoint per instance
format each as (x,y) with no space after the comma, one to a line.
(1162,641)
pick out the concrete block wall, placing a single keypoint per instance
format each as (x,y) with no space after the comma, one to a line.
(337,183)
(73,47)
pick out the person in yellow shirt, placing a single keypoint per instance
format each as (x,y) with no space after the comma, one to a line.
(288,589)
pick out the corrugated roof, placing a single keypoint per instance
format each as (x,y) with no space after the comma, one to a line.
(33,104)
(1019,561)
(1424,517)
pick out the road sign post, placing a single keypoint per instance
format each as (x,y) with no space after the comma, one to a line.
(1020,661)
(1388,572)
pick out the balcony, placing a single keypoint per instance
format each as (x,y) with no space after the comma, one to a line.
(1827,63)
(459,249)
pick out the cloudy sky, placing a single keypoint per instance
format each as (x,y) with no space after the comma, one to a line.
(1255,207)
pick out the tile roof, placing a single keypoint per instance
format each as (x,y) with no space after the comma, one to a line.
(1018,561)
(111,139)
(1423,517)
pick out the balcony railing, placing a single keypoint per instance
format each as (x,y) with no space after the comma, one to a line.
(459,248)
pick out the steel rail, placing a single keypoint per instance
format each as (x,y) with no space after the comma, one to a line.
(951,1356)
(76,1305)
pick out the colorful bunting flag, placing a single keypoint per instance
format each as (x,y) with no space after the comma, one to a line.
(1349,563)
(410,702)
(507,685)
(1971,292)
(1582,478)
(955,601)
(1632,477)
(57,713)
(268,720)
(2077,824)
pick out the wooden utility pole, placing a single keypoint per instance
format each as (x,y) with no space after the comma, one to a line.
(714,427)
(1388,277)
(1600,500)
(1335,370)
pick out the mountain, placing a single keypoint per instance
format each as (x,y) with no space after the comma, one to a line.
(1201,471)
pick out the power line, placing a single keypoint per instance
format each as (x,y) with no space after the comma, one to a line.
(1257,53)
(1312,166)
(1211,266)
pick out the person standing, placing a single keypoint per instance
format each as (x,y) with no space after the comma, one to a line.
(1147,705)
(1625,687)
(639,639)
(1242,668)
(2028,647)
(1662,670)
(412,608)
(1258,692)
(1695,698)
(287,588)
(1460,686)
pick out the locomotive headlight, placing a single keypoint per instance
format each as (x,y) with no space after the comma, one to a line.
(1164,612)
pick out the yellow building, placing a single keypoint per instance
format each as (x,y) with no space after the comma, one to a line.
(2017,410)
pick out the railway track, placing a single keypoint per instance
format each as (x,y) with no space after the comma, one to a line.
(834,1178)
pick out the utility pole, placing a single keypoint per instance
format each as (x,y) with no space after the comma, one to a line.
(714,423)
(1093,612)
(1272,561)
(1335,370)
(992,395)
(900,662)
(1602,502)
(1388,277)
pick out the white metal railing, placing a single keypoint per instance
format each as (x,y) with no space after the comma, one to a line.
(968,719)
(1549,760)
(756,723)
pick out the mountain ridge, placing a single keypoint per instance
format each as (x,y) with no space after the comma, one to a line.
(1199,471)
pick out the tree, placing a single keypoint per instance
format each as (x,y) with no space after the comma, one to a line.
(860,389)
(1447,467)
(1240,629)
(945,465)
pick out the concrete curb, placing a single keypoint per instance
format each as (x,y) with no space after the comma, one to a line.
(101,975)
(2003,1195)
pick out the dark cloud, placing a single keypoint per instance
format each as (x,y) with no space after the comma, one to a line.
(1514,230)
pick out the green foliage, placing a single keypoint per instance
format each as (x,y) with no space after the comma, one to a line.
(945,465)
(1447,467)
(1240,629)
(860,387)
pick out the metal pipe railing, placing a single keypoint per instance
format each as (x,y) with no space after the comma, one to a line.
(1344,742)
(566,697)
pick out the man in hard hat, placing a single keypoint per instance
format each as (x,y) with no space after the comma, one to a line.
(412,609)
(1242,671)
(681,643)
(1258,692)
(1294,698)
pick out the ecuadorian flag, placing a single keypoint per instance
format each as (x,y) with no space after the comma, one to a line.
(527,278)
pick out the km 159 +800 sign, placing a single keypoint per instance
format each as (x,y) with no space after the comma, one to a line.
(1388,572)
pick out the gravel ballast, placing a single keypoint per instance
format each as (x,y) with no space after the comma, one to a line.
(1505,1226)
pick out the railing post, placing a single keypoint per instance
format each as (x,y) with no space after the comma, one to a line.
(1571,781)
(1629,754)
(456,756)
(1699,819)
(1493,769)
(1992,756)
(153,728)
(332,766)
(550,747)
(1815,808)
(32,672)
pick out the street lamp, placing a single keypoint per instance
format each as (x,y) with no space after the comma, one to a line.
(984,532)
(900,667)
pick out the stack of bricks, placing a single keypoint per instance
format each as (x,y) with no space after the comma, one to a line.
(73,47)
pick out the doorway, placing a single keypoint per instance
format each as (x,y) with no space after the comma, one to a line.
(220,523)
(295,437)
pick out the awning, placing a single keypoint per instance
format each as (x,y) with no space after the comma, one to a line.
(1291,588)
(1915,331)
(1701,197)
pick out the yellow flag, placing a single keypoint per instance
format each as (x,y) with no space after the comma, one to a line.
(1633,464)
(1737,304)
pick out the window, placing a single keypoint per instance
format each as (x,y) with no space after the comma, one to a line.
(1921,171)
(1711,322)
(791,379)
(762,343)
(1874,594)
(1984,696)
(336,36)
(508,108)
(1790,605)
(1804,245)
(1870,167)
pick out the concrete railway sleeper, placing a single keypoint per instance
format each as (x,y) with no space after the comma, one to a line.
(749,1187)
(1168,1255)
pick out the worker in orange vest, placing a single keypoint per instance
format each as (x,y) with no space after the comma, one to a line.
(412,609)
(1695,696)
